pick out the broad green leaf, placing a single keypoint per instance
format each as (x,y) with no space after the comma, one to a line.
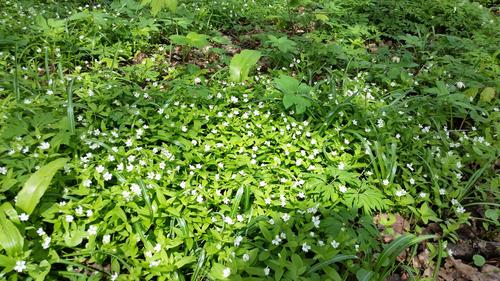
(287,84)
(488,94)
(365,275)
(197,40)
(241,64)
(283,44)
(478,260)
(10,237)
(158,5)
(491,214)
(37,184)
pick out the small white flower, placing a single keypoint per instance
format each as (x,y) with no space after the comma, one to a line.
(129,143)
(136,189)
(157,247)
(226,272)
(246,257)
(99,169)
(237,241)
(106,239)
(262,183)
(20,266)
(442,191)
(24,217)
(40,232)
(87,183)
(46,242)
(460,85)
(69,218)
(197,80)
(44,146)
(154,263)
(3,170)
(89,213)
(343,188)
(341,166)
(267,270)
(114,276)
(285,217)
(92,230)
(385,182)
(412,181)
(460,210)
(107,176)
(335,244)
(306,247)
(400,193)
(422,194)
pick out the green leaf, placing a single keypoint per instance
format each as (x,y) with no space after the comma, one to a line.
(478,260)
(283,44)
(365,275)
(491,214)
(427,214)
(488,94)
(10,238)
(241,64)
(287,84)
(37,184)
(393,250)
(158,5)
(329,261)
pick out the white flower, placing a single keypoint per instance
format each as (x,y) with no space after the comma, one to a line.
(262,183)
(24,217)
(3,170)
(106,239)
(246,257)
(114,276)
(99,169)
(460,85)
(316,221)
(89,213)
(128,143)
(400,192)
(69,218)
(20,266)
(228,220)
(238,240)
(107,176)
(342,188)
(422,194)
(385,182)
(136,189)
(44,146)
(442,191)
(46,242)
(335,244)
(197,80)
(226,272)
(157,247)
(92,230)
(87,183)
(412,181)
(341,166)
(306,247)
(40,232)
(285,217)
(154,263)
(267,270)
(460,210)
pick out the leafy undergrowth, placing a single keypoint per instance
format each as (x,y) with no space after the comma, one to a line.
(220,141)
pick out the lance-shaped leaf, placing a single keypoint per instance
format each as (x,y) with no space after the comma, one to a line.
(10,238)
(37,184)
(242,63)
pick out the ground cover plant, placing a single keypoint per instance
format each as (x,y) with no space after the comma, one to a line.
(249,140)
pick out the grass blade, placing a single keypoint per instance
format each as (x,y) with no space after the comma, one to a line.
(327,262)
(70,112)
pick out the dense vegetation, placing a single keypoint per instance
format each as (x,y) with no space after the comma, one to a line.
(246,140)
